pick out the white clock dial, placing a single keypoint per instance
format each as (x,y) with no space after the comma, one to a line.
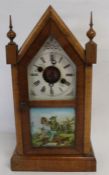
(51,74)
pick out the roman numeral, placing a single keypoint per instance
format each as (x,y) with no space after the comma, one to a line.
(69,74)
(42,59)
(33,74)
(32,93)
(36,83)
(52,59)
(66,66)
(43,89)
(35,65)
(51,90)
(60,59)
(60,89)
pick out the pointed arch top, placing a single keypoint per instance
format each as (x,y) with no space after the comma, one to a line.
(50,14)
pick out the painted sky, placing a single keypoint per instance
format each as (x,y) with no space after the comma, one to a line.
(61,113)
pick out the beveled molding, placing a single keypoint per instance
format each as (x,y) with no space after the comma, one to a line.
(57,163)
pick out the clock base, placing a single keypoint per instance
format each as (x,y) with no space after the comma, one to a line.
(75,163)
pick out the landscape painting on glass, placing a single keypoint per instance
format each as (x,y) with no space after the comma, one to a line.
(52,127)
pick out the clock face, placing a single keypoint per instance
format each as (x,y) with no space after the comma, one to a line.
(51,74)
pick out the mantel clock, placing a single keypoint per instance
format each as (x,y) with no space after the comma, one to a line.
(52,81)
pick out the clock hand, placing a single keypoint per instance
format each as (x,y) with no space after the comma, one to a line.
(53,61)
(39,68)
(64,81)
(51,89)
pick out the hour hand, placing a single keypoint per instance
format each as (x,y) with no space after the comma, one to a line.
(64,81)
(39,68)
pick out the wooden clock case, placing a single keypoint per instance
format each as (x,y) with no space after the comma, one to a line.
(81,156)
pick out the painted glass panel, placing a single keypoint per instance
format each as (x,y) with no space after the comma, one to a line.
(52,127)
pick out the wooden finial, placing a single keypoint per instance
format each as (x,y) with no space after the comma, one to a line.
(91,32)
(11,34)
(91,20)
(91,46)
(10,22)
